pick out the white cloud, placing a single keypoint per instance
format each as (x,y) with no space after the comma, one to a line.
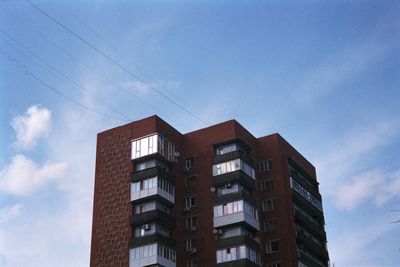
(23,176)
(336,166)
(137,87)
(10,212)
(373,185)
(31,126)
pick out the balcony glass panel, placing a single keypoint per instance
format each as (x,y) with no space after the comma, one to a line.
(152,254)
(237,253)
(233,165)
(153,144)
(235,212)
(153,186)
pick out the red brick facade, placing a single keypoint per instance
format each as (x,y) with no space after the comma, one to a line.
(112,210)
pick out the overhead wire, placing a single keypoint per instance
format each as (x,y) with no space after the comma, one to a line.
(74,84)
(98,35)
(114,62)
(80,62)
(26,71)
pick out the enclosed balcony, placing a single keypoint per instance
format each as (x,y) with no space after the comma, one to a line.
(151,187)
(238,256)
(152,145)
(154,254)
(237,212)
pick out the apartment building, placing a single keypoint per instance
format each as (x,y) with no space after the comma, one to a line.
(217,196)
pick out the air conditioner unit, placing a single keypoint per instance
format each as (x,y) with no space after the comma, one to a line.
(146,227)
(186,170)
(186,209)
(193,228)
(193,250)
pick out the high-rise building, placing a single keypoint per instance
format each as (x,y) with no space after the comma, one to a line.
(214,197)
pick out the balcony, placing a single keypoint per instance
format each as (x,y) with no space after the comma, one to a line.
(152,254)
(238,263)
(150,239)
(309,224)
(235,177)
(148,193)
(238,154)
(153,144)
(317,249)
(307,205)
(152,172)
(153,216)
(237,218)
(220,199)
(237,241)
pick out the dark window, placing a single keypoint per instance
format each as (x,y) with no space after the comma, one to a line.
(266,185)
(190,222)
(190,201)
(190,181)
(270,225)
(190,244)
(265,165)
(268,204)
(189,163)
(191,263)
(274,264)
(272,246)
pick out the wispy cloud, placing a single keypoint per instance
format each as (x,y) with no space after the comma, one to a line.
(23,176)
(9,213)
(336,166)
(375,185)
(31,126)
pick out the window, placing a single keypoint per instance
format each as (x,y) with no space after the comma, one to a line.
(268,204)
(145,207)
(145,165)
(144,184)
(266,185)
(143,252)
(233,165)
(270,225)
(265,165)
(190,222)
(190,201)
(224,149)
(229,188)
(272,246)
(190,244)
(191,263)
(190,181)
(274,264)
(153,144)
(235,207)
(235,253)
(189,163)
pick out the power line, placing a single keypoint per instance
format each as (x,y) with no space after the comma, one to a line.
(26,71)
(75,85)
(100,75)
(98,35)
(110,59)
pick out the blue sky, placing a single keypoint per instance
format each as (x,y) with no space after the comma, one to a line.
(323,74)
